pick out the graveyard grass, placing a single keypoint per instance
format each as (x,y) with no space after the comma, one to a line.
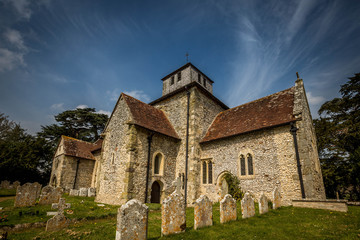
(283,223)
(7,192)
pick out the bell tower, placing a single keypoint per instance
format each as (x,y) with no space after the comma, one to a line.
(183,76)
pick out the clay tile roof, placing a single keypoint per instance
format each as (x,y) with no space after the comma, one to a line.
(97,145)
(149,117)
(270,111)
(77,148)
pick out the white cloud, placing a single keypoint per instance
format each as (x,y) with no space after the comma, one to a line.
(138,94)
(14,37)
(57,107)
(10,59)
(22,7)
(113,95)
(104,112)
(314,100)
(82,106)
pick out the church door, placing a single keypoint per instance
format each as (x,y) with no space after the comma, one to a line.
(155,192)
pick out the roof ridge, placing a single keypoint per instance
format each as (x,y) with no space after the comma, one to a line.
(256,100)
(71,138)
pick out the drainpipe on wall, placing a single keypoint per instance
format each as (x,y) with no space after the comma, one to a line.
(76,172)
(149,138)
(293,130)
(187,144)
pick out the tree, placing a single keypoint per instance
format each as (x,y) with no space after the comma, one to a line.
(84,124)
(338,133)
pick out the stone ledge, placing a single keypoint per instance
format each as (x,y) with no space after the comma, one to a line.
(328,204)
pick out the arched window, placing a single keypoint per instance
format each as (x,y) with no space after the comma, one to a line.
(242,165)
(207,172)
(250,164)
(157,163)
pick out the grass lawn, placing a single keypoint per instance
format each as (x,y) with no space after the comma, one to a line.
(283,223)
(7,192)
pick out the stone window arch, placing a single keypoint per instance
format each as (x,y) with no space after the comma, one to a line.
(246,164)
(158,164)
(207,171)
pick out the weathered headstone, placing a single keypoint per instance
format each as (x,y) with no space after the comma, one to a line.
(74,192)
(173,217)
(247,206)
(16,184)
(50,195)
(132,221)
(26,194)
(263,204)
(91,192)
(59,221)
(203,212)
(276,198)
(37,186)
(227,209)
(83,192)
(5,184)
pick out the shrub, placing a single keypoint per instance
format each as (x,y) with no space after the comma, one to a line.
(234,186)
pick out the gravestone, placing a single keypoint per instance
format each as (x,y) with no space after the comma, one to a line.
(16,184)
(5,184)
(173,217)
(227,209)
(263,204)
(83,192)
(50,195)
(74,192)
(91,192)
(132,221)
(37,186)
(276,198)
(224,188)
(59,221)
(26,194)
(247,206)
(203,212)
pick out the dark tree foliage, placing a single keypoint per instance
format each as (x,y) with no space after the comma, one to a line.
(234,186)
(338,135)
(84,124)
(22,157)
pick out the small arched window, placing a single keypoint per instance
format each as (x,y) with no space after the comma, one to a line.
(207,172)
(242,165)
(250,164)
(210,173)
(157,163)
(204,172)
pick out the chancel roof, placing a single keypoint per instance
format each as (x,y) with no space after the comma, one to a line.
(149,117)
(270,111)
(81,149)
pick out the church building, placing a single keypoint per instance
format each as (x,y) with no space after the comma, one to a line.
(191,134)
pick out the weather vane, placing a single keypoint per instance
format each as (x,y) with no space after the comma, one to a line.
(187,57)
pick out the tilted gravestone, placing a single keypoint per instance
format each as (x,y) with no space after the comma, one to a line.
(173,216)
(203,212)
(50,195)
(247,206)
(26,194)
(276,198)
(74,192)
(83,192)
(263,204)
(132,221)
(91,192)
(59,221)
(227,209)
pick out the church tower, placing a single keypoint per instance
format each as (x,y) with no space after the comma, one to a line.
(183,76)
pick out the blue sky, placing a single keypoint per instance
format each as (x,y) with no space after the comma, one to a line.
(59,55)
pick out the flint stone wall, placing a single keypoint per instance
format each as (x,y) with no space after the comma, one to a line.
(27,194)
(203,214)
(247,206)
(173,216)
(132,221)
(228,209)
(50,195)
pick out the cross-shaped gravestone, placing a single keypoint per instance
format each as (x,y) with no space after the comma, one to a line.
(61,206)
(177,184)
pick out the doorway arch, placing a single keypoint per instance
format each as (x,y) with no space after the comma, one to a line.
(155,192)
(223,187)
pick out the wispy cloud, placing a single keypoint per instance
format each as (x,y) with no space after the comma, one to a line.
(14,38)
(113,95)
(82,106)
(57,107)
(10,59)
(104,112)
(314,100)
(22,7)
(138,94)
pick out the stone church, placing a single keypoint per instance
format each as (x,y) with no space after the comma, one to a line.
(191,134)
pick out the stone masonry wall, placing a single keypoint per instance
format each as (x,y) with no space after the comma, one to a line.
(202,112)
(112,181)
(273,160)
(311,170)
